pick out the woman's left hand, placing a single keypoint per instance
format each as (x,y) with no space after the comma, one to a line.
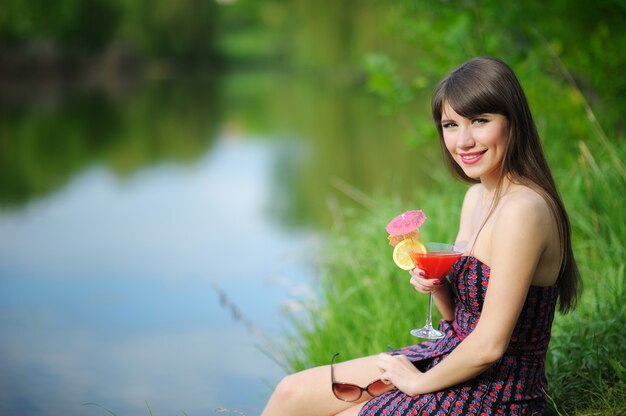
(399,371)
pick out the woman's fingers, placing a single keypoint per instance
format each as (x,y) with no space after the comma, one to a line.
(417,272)
(397,370)
(421,284)
(417,285)
(384,364)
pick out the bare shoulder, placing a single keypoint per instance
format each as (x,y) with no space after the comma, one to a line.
(473,193)
(525,211)
(524,201)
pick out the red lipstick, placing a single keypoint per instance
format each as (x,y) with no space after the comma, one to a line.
(471,157)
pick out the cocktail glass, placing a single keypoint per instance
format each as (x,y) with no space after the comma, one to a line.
(436,263)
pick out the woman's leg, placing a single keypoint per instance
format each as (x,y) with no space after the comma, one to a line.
(352,411)
(309,392)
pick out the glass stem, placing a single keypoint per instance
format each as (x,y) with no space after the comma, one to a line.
(429,322)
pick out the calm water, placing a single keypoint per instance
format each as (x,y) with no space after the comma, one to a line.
(109,289)
(151,243)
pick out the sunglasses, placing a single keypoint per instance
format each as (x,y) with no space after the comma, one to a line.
(349,392)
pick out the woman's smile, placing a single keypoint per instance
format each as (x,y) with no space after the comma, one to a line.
(471,158)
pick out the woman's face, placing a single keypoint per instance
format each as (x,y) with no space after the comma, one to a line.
(476,144)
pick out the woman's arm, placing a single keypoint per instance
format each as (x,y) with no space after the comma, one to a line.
(518,239)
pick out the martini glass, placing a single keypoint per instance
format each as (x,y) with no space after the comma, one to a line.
(436,263)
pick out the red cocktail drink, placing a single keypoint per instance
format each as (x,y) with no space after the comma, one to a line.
(436,263)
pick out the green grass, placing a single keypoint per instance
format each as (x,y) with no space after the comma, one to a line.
(586,361)
(365,304)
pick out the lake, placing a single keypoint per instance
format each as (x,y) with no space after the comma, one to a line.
(156,238)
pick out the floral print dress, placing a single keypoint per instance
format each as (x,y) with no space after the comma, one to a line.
(515,385)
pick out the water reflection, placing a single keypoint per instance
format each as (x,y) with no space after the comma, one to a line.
(107,289)
(45,146)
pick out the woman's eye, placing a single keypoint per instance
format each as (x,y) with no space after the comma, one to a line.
(480,121)
(448,125)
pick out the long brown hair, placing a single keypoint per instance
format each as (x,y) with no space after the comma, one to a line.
(488,85)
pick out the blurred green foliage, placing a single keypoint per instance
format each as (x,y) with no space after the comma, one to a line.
(178,30)
(80,25)
(183,30)
(588,38)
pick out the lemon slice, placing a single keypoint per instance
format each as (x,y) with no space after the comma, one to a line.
(402,253)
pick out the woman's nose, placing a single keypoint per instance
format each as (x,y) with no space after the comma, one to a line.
(465,138)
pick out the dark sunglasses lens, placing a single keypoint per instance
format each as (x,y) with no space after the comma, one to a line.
(377,388)
(346,392)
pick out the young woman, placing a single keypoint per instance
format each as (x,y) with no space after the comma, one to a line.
(499,302)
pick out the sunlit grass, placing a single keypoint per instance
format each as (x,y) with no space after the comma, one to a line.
(586,360)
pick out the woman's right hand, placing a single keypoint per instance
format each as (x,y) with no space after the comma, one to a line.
(424,285)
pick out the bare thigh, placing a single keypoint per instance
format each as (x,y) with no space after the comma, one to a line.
(352,411)
(309,392)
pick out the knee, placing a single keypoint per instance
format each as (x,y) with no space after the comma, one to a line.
(287,394)
(288,389)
